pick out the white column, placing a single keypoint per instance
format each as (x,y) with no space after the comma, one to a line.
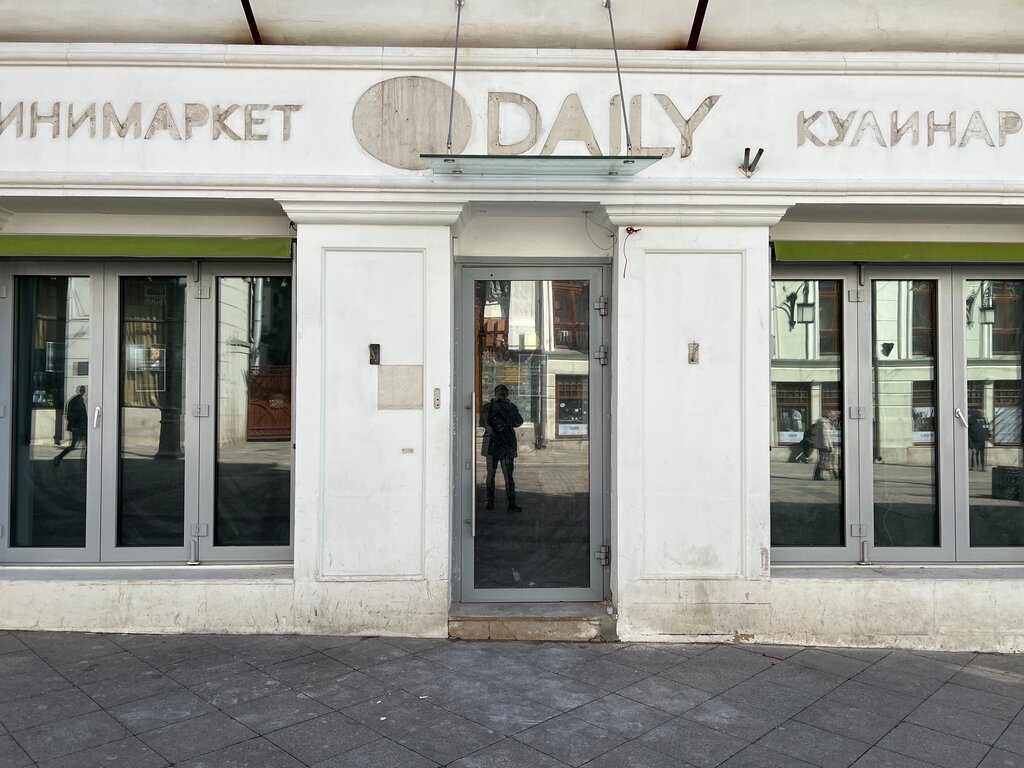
(373,453)
(690,487)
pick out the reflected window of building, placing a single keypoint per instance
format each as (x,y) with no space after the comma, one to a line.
(829,307)
(1008,316)
(923,318)
(571,315)
(1006,424)
(572,414)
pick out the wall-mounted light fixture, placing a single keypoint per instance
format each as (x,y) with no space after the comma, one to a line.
(748,167)
(798,311)
(981,298)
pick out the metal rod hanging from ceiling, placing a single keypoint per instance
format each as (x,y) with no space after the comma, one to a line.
(455,68)
(698,23)
(618,72)
(250,19)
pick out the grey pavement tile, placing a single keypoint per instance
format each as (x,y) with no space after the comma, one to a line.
(836,717)
(739,660)
(271,651)
(648,657)
(1007,663)
(997,758)
(883,758)
(909,683)
(323,642)
(407,672)
(771,697)
(378,754)
(813,745)
(71,735)
(871,698)
(570,739)
(377,709)
(365,653)
(271,713)
(65,648)
(982,702)
(110,693)
(414,644)
(508,754)
(712,675)
(162,651)
(463,656)
(621,715)
(11,755)
(490,706)
(45,708)
(200,669)
(779,652)
(28,684)
(870,655)
(255,753)
(690,649)
(321,738)
(606,674)
(306,669)
(953,657)
(666,695)
(160,710)
(826,661)
(635,755)
(933,747)
(9,643)
(907,662)
(120,665)
(123,753)
(238,689)
(22,663)
(344,691)
(554,690)
(756,756)
(957,722)
(811,681)
(735,718)
(987,680)
(1012,739)
(195,737)
(693,742)
(431,731)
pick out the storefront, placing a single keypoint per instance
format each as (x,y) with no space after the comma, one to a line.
(263,367)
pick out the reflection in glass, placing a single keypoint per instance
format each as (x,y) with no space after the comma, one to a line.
(254,411)
(906,511)
(151,497)
(806,375)
(50,411)
(993,317)
(532,372)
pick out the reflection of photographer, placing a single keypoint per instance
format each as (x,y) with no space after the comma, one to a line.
(502,418)
(978,434)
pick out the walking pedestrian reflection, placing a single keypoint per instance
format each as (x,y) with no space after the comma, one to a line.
(500,445)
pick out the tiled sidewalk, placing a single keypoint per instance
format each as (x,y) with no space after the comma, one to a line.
(215,701)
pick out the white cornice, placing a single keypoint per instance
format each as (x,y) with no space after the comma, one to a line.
(510,59)
(438,213)
(722,215)
(5,216)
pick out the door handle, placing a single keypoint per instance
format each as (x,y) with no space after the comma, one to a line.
(960,415)
(96,417)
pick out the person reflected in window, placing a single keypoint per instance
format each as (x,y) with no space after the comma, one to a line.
(502,418)
(978,434)
(78,421)
(824,441)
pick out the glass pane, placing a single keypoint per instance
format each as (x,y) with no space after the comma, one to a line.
(51,411)
(904,419)
(151,499)
(993,315)
(533,434)
(254,411)
(807,439)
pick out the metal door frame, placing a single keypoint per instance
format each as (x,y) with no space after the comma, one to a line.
(464,420)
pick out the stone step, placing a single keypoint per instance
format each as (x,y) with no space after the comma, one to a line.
(566,622)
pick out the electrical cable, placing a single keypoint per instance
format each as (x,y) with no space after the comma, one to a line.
(586,227)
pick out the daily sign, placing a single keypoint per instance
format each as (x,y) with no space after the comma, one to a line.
(231,122)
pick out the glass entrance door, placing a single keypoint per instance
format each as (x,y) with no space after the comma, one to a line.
(149,415)
(909,464)
(531,434)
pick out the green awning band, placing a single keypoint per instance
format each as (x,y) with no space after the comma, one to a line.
(104,246)
(822,250)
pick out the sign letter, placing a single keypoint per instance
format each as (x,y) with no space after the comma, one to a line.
(494,101)
(1009,122)
(219,126)
(686,127)
(949,128)
(804,132)
(132,120)
(571,124)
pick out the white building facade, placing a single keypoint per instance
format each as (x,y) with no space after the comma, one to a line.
(753,405)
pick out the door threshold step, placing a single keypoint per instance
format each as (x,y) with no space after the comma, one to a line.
(565,622)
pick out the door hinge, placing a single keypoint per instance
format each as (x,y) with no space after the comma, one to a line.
(201,411)
(602,354)
(3,291)
(858,531)
(3,411)
(604,554)
(856,294)
(601,305)
(858,412)
(1,531)
(202,292)
(201,530)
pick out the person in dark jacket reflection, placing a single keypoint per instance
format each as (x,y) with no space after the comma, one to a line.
(502,418)
(78,422)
